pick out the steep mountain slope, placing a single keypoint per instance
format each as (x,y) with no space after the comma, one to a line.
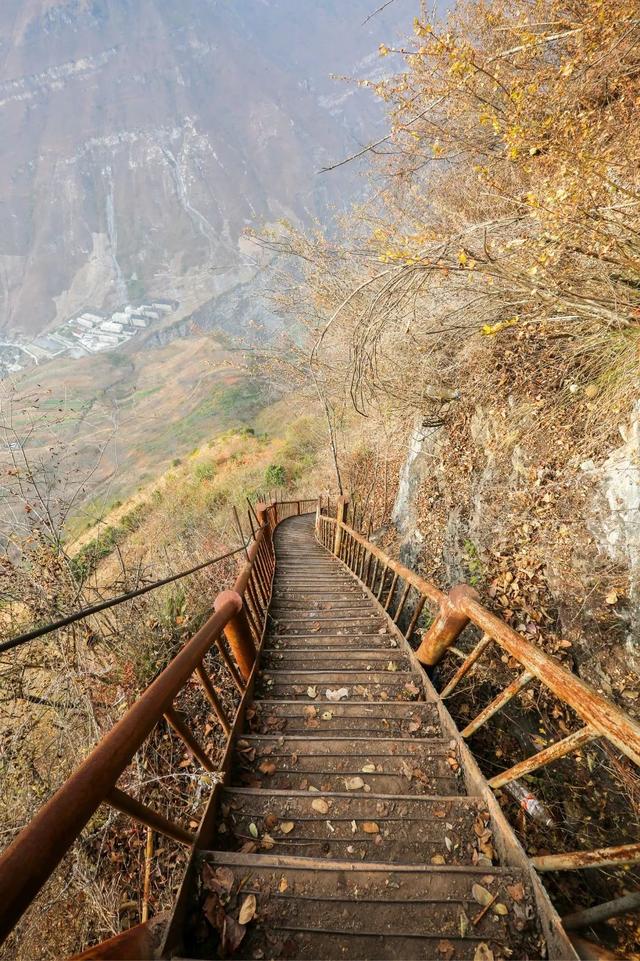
(139,138)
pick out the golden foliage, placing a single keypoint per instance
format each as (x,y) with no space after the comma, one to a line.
(505,218)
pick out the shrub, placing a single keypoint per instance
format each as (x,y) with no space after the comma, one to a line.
(275,476)
(204,471)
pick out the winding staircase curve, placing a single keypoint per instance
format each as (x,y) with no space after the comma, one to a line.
(351,809)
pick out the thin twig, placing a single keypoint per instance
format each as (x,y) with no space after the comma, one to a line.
(376,12)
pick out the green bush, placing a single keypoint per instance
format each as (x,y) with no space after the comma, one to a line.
(275,476)
(204,471)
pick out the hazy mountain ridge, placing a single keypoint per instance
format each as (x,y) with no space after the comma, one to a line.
(140,138)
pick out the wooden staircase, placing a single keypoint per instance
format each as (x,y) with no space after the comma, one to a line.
(352,812)
(348,818)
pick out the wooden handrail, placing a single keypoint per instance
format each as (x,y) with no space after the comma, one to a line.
(421,585)
(28,862)
(462,606)
(36,852)
(595,709)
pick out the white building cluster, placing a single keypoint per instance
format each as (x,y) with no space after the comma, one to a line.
(95,332)
(85,333)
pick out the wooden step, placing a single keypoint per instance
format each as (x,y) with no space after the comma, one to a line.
(400,829)
(318,595)
(313,685)
(310,908)
(339,609)
(371,765)
(316,629)
(319,659)
(387,719)
(323,576)
(318,638)
(361,614)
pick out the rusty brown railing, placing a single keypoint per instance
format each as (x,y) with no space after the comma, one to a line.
(399,590)
(236,629)
(292,508)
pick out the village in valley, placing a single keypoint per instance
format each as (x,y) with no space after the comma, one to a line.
(85,333)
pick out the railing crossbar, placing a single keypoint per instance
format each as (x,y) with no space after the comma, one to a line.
(123,802)
(554,752)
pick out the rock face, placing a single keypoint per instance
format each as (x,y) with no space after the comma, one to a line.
(404,515)
(140,137)
(551,543)
(616,516)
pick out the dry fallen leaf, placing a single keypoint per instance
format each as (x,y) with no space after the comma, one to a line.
(312,692)
(219,881)
(232,935)
(320,805)
(370,827)
(516,891)
(267,767)
(481,895)
(446,949)
(337,695)
(283,886)
(368,769)
(438,859)
(267,842)
(483,953)
(248,909)
(287,827)
(214,912)
(612,597)
(353,783)
(500,908)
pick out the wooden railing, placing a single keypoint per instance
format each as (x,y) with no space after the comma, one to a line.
(236,631)
(286,509)
(404,595)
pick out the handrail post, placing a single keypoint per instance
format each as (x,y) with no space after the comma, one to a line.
(238,633)
(446,628)
(341,513)
(318,513)
(262,513)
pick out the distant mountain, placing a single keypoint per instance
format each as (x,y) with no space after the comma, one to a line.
(138,138)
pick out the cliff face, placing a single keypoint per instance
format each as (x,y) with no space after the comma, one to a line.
(553,545)
(140,137)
